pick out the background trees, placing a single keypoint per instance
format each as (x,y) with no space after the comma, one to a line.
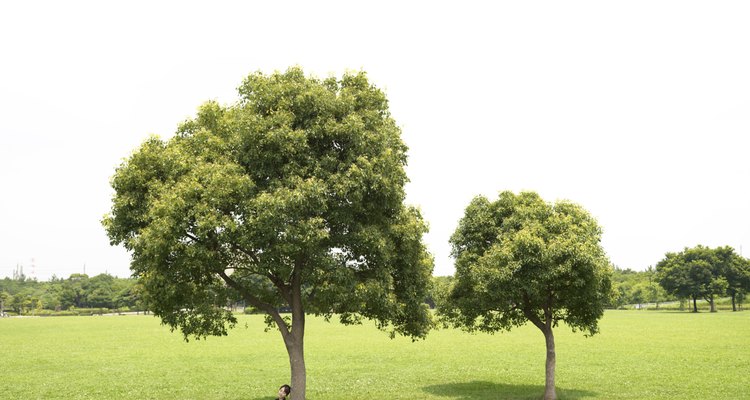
(5,298)
(28,296)
(292,197)
(702,272)
(521,259)
(736,271)
(631,287)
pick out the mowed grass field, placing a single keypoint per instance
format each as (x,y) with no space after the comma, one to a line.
(637,355)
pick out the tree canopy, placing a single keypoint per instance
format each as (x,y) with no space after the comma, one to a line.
(292,197)
(522,259)
(703,272)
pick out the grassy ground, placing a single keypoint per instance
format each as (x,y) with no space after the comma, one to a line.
(638,355)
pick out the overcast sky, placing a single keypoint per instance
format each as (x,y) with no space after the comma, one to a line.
(638,110)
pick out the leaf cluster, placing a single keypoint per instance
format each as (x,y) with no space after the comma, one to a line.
(701,272)
(521,259)
(298,186)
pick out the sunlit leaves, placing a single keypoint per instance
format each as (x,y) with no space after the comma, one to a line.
(300,176)
(520,256)
(702,272)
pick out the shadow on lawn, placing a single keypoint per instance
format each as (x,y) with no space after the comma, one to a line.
(488,390)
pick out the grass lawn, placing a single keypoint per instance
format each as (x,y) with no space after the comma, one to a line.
(637,355)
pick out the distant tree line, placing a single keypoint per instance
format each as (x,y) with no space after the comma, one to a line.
(636,288)
(698,273)
(24,296)
(628,288)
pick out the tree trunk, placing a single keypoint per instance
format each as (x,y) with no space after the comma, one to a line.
(734,304)
(549,383)
(549,340)
(293,334)
(713,305)
(298,382)
(695,304)
(297,349)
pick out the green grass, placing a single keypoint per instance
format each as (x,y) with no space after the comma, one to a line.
(637,355)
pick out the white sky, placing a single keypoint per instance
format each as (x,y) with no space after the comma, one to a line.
(637,110)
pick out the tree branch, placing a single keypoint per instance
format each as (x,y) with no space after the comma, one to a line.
(269,309)
(530,315)
(252,255)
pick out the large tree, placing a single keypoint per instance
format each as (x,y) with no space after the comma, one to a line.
(522,259)
(291,198)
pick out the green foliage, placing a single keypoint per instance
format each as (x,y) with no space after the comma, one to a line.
(5,299)
(703,272)
(69,313)
(27,296)
(521,259)
(301,179)
(636,287)
(441,288)
(292,198)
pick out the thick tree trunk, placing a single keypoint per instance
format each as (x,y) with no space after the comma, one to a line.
(713,305)
(549,383)
(297,349)
(545,326)
(296,353)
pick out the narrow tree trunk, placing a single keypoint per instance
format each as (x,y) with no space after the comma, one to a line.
(695,304)
(713,305)
(549,383)
(734,305)
(546,327)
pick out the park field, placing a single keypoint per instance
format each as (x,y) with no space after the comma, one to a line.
(637,355)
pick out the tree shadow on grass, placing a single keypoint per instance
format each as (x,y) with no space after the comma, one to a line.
(477,390)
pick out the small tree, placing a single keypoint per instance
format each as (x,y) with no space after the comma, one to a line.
(521,259)
(618,296)
(5,297)
(292,198)
(638,294)
(655,293)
